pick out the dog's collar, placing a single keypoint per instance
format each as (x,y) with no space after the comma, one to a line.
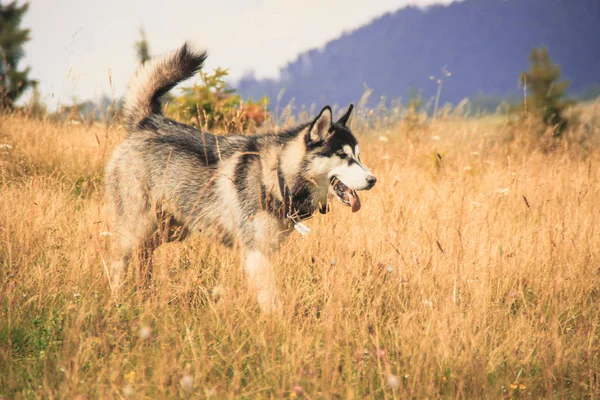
(283,187)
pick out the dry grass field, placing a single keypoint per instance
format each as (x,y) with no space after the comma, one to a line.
(471,271)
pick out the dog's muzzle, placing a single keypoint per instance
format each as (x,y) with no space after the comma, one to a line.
(371,181)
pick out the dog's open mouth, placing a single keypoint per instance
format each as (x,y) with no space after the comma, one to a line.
(344,194)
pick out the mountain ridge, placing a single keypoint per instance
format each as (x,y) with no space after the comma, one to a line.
(483,43)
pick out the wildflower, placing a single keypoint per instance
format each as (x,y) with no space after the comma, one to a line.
(145,332)
(187,383)
(218,291)
(297,389)
(130,376)
(393,381)
(127,390)
(383,138)
(389,269)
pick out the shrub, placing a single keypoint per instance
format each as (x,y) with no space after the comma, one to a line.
(212,105)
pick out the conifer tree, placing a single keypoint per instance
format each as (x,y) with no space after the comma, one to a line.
(142,48)
(547,90)
(13,81)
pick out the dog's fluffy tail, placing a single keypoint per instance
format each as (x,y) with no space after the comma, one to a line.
(155,78)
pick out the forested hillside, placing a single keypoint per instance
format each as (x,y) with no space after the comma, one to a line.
(483,43)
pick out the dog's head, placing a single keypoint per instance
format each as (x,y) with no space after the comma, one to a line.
(333,159)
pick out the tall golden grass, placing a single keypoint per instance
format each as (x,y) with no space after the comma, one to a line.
(472,271)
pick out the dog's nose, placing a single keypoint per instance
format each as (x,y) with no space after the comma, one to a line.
(371,180)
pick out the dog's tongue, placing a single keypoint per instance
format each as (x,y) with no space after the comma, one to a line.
(354,200)
(346,195)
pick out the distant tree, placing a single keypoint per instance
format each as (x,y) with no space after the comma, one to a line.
(547,91)
(142,48)
(13,82)
(415,100)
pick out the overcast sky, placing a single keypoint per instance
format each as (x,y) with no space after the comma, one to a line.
(76,44)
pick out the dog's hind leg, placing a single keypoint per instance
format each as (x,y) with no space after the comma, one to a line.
(136,244)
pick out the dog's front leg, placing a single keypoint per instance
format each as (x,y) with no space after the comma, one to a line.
(261,280)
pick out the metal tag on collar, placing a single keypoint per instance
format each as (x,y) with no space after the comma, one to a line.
(299,226)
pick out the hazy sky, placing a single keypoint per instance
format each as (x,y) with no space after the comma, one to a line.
(77,43)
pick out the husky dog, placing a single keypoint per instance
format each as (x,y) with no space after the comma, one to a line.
(249,189)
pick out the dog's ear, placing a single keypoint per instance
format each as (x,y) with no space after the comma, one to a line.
(321,126)
(344,120)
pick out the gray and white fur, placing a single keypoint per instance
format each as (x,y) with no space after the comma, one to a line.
(169,177)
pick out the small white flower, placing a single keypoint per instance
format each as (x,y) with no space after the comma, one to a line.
(218,291)
(393,381)
(427,303)
(5,146)
(145,332)
(127,390)
(389,269)
(383,138)
(187,383)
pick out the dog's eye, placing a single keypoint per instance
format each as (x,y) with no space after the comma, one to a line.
(342,154)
